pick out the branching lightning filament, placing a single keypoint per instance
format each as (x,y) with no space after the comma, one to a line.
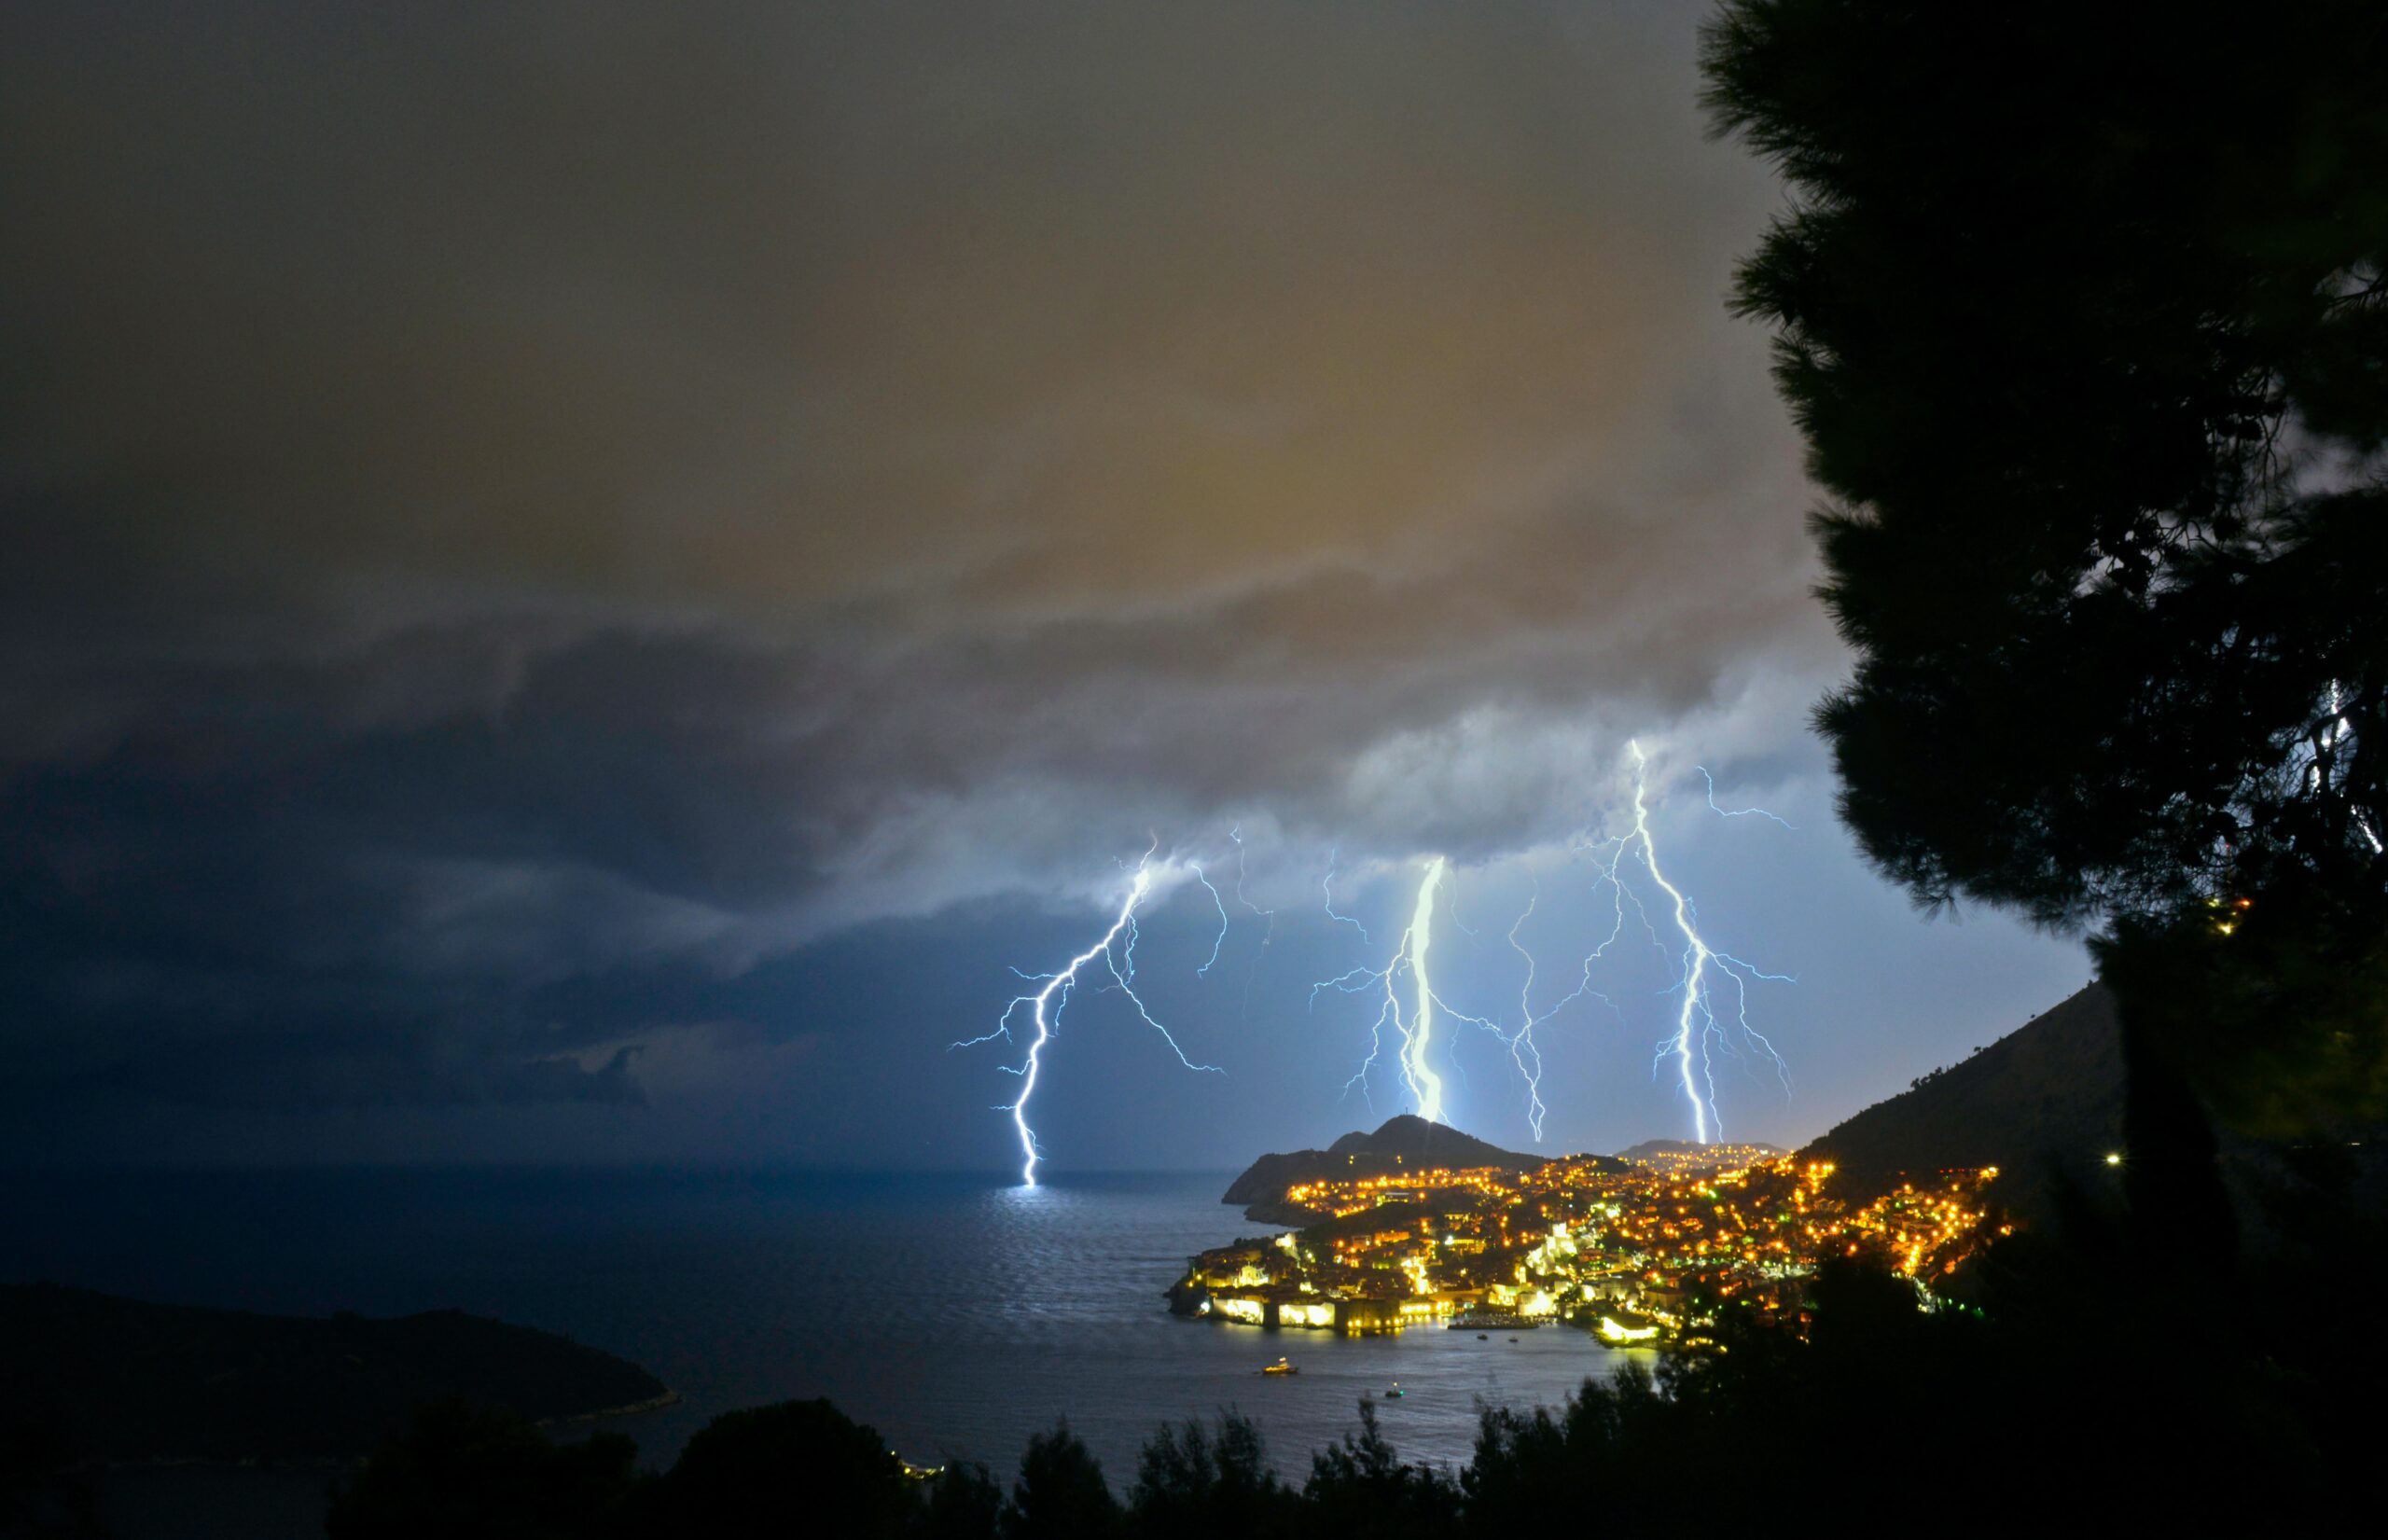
(1703,1028)
(1116,950)
(1699,1034)
(1407,1003)
(1327,886)
(1424,1084)
(1696,1026)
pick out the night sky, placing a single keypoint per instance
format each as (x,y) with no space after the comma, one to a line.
(583,584)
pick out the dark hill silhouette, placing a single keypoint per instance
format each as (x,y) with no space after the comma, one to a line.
(1406,1143)
(124,1379)
(1411,1137)
(2042,1104)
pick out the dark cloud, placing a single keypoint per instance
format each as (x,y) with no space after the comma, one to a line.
(505,499)
(1005,314)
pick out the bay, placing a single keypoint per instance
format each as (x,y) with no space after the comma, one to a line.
(956,1315)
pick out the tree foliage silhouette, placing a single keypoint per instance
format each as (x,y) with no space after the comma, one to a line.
(1360,1486)
(770,1470)
(472,1472)
(2084,315)
(1195,1480)
(1061,1494)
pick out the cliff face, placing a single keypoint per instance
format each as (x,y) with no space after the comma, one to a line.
(2044,1102)
(1406,1143)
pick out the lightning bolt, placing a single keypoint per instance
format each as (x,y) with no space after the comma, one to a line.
(1221,940)
(1327,886)
(1522,1046)
(1735,813)
(1116,949)
(1406,1001)
(1267,931)
(1524,1050)
(1426,1086)
(1696,1022)
(1695,960)
(1698,1031)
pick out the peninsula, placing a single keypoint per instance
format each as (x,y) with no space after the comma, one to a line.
(1631,1251)
(1419,1225)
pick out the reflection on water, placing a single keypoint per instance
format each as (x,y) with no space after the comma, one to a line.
(956,1315)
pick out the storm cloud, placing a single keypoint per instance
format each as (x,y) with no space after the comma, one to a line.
(504,496)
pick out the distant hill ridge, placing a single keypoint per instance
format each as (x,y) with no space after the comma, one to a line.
(2042,1104)
(1410,1137)
(1406,1143)
(125,1380)
(1649,1147)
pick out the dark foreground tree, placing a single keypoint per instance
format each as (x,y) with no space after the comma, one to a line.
(2055,1407)
(779,1470)
(483,1474)
(2013,1420)
(964,1502)
(41,1493)
(2084,313)
(1194,1481)
(1061,1494)
(1361,1487)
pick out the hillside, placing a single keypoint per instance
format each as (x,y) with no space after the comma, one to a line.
(2045,1099)
(1406,1143)
(122,1380)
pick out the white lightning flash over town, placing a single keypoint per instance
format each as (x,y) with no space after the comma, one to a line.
(1702,1028)
(1405,973)
(1424,1084)
(1699,1033)
(1413,1023)
(1627,867)
(1698,1028)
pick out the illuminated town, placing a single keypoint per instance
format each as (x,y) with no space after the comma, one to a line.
(1640,1253)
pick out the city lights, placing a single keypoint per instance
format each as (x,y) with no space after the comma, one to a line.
(1645,1253)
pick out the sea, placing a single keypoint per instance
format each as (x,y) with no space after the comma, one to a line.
(955,1314)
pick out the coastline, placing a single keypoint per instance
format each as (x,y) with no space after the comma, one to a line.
(653,1403)
(338,1462)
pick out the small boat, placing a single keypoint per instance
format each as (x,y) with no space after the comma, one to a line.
(1512,1338)
(1397,1392)
(1481,1338)
(1281,1366)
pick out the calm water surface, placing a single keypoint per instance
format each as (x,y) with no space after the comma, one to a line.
(956,1315)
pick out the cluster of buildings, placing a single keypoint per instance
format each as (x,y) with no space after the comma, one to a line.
(1675,1160)
(1639,1252)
